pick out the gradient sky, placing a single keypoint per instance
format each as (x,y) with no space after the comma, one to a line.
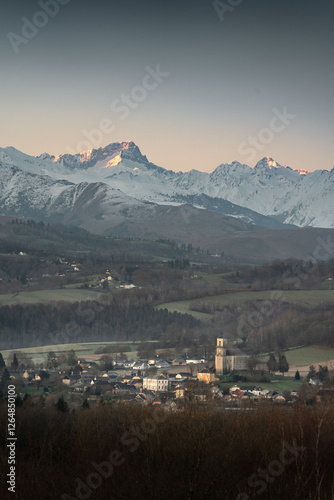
(225,79)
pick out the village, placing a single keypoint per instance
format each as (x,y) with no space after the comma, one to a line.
(226,382)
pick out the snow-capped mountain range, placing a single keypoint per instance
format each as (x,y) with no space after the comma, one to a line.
(117,182)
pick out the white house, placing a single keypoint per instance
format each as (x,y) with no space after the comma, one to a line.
(158,383)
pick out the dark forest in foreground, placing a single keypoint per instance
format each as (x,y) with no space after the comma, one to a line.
(195,454)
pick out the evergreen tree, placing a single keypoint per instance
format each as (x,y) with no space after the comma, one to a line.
(272,363)
(72,358)
(322,373)
(85,404)
(297,375)
(312,373)
(2,362)
(15,363)
(283,365)
(62,405)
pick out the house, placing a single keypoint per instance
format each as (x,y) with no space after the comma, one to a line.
(206,376)
(121,363)
(185,375)
(79,387)
(162,364)
(137,382)
(195,360)
(314,381)
(144,398)
(271,394)
(100,382)
(158,362)
(66,380)
(84,364)
(176,381)
(179,392)
(255,391)
(158,383)
(236,393)
(156,401)
(140,365)
(185,359)
(180,360)
(278,398)
(28,375)
(87,377)
(153,361)
(200,396)
(216,393)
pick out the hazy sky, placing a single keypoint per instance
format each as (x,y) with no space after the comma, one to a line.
(232,74)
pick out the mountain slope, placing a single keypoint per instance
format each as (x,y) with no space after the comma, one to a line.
(289,196)
(26,191)
(269,194)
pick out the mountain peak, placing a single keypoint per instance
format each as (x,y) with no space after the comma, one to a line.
(112,153)
(267,162)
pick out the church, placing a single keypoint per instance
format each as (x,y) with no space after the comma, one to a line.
(228,357)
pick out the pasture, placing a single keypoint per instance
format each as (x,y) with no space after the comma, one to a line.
(44,296)
(84,350)
(312,355)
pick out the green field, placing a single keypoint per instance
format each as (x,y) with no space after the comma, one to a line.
(279,384)
(312,355)
(183,307)
(308,298)
(216,279)
(42,296)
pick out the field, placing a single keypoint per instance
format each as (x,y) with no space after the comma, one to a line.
(312,355)
(183,307)
(308,298)
(302,358)
(42,296)
(82,350)
(214,278)
(279,383)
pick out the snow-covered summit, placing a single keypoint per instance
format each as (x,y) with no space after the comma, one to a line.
(291,196)
(107,156)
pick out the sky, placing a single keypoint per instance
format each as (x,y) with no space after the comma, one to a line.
(193,83)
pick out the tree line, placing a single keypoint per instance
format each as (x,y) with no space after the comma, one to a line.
(44,324)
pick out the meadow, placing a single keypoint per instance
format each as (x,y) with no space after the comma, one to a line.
(45,296)
(83,350)
(311,355)
(279,383)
